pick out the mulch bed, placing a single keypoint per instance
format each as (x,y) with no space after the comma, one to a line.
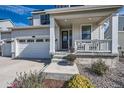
(51,83)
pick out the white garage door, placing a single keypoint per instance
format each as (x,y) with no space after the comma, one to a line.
(6,49)
(33,48)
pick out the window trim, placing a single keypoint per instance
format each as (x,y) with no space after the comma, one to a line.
(47,39)
(30,42)
(22,42)
(39,39)
(45,16)
(81,30)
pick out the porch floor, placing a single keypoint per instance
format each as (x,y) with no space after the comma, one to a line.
(60,71)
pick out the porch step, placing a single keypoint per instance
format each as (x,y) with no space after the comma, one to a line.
(61,53)
(59,56)
(58,60)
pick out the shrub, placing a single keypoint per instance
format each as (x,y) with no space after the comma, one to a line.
(78,81)
(99,67)
(70,58)
(33,80)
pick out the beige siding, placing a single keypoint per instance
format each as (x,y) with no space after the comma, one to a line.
(31,32)
(121,41)
(76,32)
(5,24)
(36,20)
(6,35)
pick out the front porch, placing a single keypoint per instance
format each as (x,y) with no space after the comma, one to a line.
(85,34)
(90,34)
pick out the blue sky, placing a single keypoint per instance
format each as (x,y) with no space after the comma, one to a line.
(19,13)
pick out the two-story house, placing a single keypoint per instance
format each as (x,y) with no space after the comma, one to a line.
(55,32)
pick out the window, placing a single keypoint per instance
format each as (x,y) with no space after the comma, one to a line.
(47,40)
(39,40)
(21,41)
(45,19)
(30,40)
(8,41)
(86,32)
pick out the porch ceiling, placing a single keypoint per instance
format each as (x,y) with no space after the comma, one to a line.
(95,16)
(86,20)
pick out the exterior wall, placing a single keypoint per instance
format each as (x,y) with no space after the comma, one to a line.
(25,34)
(36,20)
(5,24)
(111,61)
(77,35)
(121,34)
(121,41)
(31,32)
(6,35)
(121,23)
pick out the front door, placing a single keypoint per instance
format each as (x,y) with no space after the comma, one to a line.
(64,39)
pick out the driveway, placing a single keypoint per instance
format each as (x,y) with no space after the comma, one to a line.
(9,68)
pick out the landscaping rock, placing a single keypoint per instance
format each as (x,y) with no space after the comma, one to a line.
(112,79)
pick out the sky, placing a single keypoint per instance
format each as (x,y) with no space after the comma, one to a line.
(19,13)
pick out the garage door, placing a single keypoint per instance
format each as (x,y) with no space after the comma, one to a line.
(6,49)
(33,48)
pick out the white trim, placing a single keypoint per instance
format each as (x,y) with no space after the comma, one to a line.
(121,31)
(115,34)
(36,37)
(8,20)
(29,27)
(78,8)
(85,25)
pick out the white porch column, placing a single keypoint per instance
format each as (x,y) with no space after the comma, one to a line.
(14,48)
(52,35)
(115,34)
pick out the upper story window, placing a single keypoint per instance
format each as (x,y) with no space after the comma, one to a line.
(45,19)
(86,32)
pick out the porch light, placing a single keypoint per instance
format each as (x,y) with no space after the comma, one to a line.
(89,18)
(65,20)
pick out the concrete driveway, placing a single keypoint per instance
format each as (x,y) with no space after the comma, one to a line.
(9,68)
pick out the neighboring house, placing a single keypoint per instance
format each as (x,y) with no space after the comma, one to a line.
(5,34)
(83,29)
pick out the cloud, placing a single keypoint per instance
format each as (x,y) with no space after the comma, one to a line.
(18,9)
(20,24)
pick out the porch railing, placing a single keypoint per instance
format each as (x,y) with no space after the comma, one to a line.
(93,45)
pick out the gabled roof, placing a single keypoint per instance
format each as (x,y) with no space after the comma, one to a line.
(3,20)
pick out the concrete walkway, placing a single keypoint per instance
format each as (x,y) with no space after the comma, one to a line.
(60,71)
(9,68)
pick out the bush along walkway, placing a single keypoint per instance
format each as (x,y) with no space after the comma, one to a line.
(114,78)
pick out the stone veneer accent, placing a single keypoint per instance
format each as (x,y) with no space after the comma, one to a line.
(88,59)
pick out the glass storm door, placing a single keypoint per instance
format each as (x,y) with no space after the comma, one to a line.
(64,39)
